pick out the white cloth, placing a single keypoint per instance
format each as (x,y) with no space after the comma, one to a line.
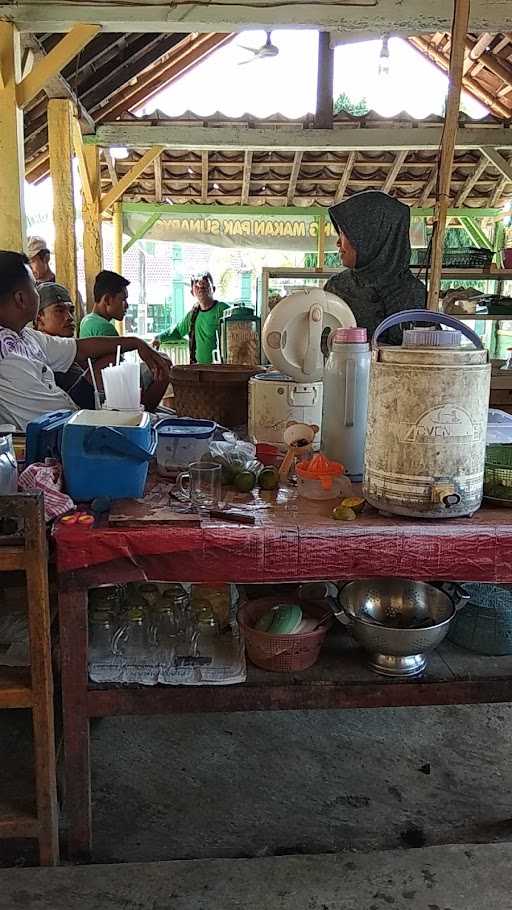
(27,384)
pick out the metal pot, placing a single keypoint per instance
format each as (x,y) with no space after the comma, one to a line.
(398,621)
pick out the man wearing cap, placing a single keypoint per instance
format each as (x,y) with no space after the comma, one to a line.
(56,317)
(38,256)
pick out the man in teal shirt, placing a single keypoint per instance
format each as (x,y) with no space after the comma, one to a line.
(201,324)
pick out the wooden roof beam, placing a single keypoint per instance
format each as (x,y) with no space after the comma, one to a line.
(491,62)
(393,174)
(185,56)
(58,86)
(246,182)
(480,45)
(428,189)
(116,192)
(158,179)
(111,166)
(204,177)
(363,19)
(345,177)
(294,176)
(500,163)
(472,180)
(54,62)
(470,84)
(143,133)
(499,191)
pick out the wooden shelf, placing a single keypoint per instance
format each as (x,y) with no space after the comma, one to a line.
(15,687)
(470,274)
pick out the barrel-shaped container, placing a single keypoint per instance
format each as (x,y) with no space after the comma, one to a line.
(427,422)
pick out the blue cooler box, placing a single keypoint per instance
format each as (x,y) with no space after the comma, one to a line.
(107,453)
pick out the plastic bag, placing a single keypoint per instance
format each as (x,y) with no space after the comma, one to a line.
(234,456)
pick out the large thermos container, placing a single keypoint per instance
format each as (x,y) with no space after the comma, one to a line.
(240,336)
(345,405)
(427,420)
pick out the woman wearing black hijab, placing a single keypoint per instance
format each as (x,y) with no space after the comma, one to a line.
(373,240)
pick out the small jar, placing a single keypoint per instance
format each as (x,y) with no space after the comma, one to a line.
(102,628)
(132,640)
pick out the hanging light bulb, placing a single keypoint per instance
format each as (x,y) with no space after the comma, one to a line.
(384,57)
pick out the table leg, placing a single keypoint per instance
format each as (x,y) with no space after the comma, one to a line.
(77,769)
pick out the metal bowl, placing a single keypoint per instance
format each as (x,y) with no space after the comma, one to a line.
(398,621)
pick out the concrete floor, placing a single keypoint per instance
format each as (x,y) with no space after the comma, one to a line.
(435,878)
(274,784)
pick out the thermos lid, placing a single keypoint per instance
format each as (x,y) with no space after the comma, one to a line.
(431,338)
(350,336)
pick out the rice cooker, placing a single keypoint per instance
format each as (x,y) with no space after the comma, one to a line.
(293,339)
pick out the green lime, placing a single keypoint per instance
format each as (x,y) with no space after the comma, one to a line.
(268,478)
(245,481)
(341,513)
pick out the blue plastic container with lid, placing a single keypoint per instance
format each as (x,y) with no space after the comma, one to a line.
(107,453)
(181,441)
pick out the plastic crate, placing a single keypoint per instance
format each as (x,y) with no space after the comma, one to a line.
(471,257)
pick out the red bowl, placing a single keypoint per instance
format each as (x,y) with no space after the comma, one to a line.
(268,455)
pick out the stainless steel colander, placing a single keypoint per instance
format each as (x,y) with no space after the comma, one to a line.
(398,621)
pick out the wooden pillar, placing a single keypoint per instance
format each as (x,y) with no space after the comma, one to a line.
(321,242)
(60,140)
(324,89)
(457,53)
(12,159)
(92,239)
(117,222)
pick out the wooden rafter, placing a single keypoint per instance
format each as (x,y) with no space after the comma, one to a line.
(116,192)
(499,191)
(471,85)
(472,180)
(246,182)
(294,176)
(85,176)
(174,65)
(188,53)
(111,166)
(204,177)
(345,177)
(500,163)
(492,62)
(58,86)
(480,45)
(393,174)
(158,179)
(54,62)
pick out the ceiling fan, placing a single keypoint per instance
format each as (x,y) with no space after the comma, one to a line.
(259,53)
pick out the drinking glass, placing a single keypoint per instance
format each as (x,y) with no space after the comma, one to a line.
(203,484)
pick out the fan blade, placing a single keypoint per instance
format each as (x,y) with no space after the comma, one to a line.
(252,50)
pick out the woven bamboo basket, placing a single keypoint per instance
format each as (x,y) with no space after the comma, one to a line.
(216,391)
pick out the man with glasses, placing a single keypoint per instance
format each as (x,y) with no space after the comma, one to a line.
(201,324)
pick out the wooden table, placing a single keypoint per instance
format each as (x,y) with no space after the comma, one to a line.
(291,541)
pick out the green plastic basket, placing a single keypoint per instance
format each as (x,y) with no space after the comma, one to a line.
(498,472)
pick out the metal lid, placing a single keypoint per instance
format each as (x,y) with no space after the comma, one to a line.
(431,338)
(239,312)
